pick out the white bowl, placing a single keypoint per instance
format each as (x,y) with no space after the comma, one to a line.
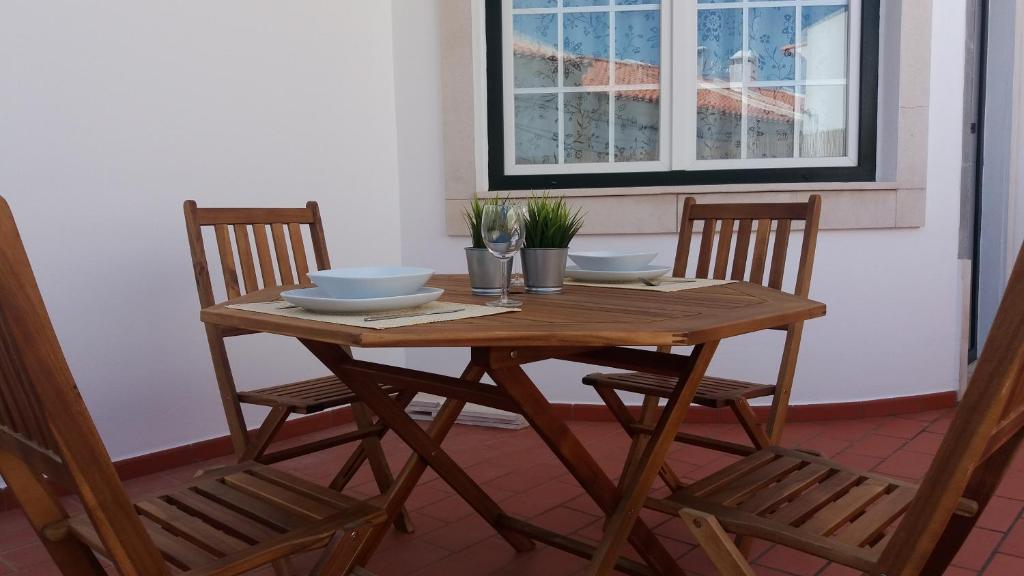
(606,261)
(371,282)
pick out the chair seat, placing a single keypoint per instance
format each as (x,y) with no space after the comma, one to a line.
(713,392)
(222,521)
(305,397)
(804,502)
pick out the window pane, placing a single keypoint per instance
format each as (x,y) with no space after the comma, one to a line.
(575,3)
(586,127)
(770,122)
(715,1)
(823,123)
(719,44)
(586,48)
(635,2)
(638,41)
(772,41)
(823,42)
(719,124)
(637,121)
(534,3)
(536,128)
(535,57)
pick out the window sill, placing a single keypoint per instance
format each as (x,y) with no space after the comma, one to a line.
(656,210)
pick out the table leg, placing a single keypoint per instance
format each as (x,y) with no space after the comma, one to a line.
(560,439)
(636,488)
(336,360)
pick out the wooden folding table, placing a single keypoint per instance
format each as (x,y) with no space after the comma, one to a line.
(584,324)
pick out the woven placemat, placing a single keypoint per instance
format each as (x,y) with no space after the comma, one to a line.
(667,284)
(426,314)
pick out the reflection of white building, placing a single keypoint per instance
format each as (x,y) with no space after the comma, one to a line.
(823,57)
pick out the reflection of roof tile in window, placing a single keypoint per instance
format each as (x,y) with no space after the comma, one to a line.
(765,103)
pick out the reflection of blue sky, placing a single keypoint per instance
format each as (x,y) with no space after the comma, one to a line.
(575,3)
(586,34)
(534,3)
(772,29)
(814,14)
(719,36)
(539,28)
(638,36)
(636,2)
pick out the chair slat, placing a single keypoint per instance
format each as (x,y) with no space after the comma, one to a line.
(298,253)
(831,517)
(190,528)
(816,498)
(793,485)
(250,506)
(180,552)
(764,229)
(226,519)
(259,234)
(739,261)
(753,481)
(280,496)
(707,242)
(227,260)
(779,254)
(245,257)
(739,469)
(876,519)
(284,266)
(724,249)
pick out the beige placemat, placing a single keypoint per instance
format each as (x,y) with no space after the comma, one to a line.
(668,284)
(438,312)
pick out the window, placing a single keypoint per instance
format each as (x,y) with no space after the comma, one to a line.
(592,93)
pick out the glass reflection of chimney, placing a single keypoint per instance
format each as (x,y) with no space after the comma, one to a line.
(736,67)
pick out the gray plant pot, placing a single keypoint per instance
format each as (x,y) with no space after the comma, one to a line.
(544,269)
(485,271)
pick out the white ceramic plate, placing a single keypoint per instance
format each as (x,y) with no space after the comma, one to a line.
(316,300)
(371,281)
(612,260)
(647,273)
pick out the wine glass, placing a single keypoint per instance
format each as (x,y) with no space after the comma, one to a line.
(503,227)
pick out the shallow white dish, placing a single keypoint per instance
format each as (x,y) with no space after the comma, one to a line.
(316,300)
(371,282)
(645,272)
(618,261)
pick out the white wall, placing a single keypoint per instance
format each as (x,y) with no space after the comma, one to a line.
(112,113)
(892,327)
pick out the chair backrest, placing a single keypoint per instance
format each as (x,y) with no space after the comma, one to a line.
(979,446)
(719,260)
(44,425)
(239,231)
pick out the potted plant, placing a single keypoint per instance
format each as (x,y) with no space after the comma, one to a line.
(484,268)
(550,226)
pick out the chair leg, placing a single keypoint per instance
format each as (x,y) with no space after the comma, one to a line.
(339,558)
(784,384)
(621,413)
(379,463)
(355,460)
(716,543)
(259,444)
(748,420)
(43,510)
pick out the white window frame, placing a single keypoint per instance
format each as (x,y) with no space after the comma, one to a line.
(509,92)
(678,142)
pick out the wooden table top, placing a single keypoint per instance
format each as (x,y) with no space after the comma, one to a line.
(580,316)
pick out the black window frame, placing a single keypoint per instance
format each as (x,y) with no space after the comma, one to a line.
(864,171)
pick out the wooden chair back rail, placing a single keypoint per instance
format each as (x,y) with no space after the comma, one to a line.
(269,244)
(764,227)
(43,404)
(978,448)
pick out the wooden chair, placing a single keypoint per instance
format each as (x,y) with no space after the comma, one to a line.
(226,522)
(866,521)
(752,222)
(233,229)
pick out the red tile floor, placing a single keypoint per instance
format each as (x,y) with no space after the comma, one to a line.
(520,473)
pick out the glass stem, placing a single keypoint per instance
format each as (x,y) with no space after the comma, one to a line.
(504,280)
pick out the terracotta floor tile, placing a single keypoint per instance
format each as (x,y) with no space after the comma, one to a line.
(1014,542)
(415,554)
(1003,565)
(857,461)
(1012,486)
(1000,514)
(792,561)
(977,549)
(876,445)
(564,520)
(925,443)
(957,571)
(901,427)
(481,558)
(461,535)
(906,464)
(839,570)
